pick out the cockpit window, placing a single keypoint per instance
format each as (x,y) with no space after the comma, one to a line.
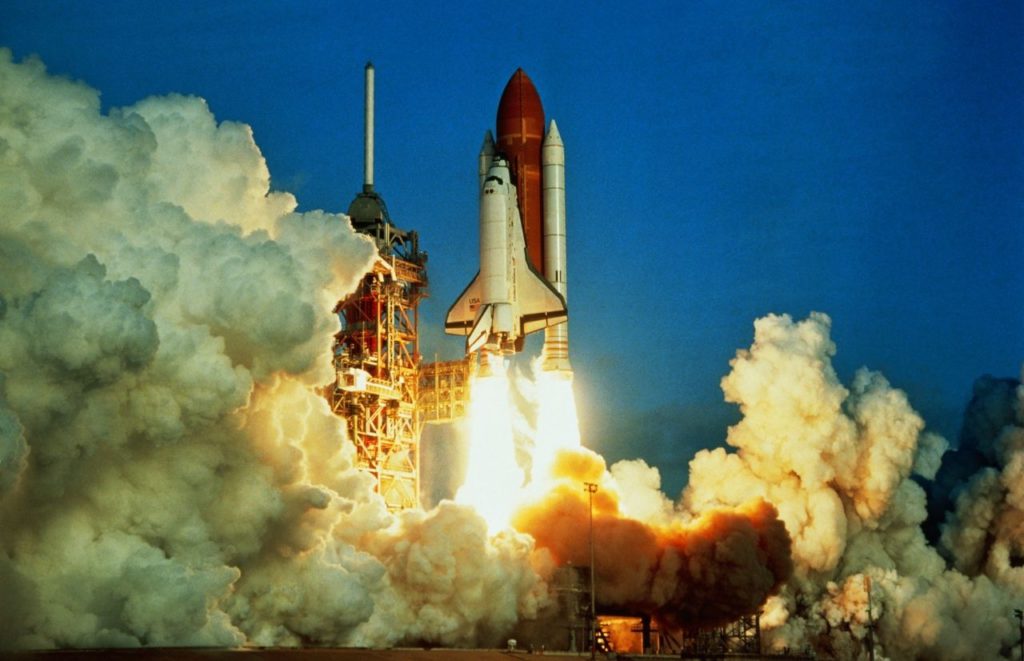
(494,178)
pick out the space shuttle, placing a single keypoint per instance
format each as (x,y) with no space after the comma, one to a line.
(521,285)
(508,299)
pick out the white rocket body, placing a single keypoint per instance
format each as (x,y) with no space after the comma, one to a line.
(556,338)
(486,156)
(507,299)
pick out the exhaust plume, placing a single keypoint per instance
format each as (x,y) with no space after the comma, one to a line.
(713,568)
(168,475)
(844,465)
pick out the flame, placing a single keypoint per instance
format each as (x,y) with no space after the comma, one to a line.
(493,478)
(558,427)
(671,566)
(496,485)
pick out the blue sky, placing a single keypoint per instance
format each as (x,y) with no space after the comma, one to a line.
(724,161)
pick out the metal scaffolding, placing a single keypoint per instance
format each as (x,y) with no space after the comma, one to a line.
(376,352)
(444,389)
(739,638)
(376,357)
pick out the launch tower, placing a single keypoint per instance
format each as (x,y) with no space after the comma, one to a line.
(376,353)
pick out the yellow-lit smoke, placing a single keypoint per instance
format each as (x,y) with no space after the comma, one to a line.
(168,474)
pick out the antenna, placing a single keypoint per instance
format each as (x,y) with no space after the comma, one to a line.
(368,131)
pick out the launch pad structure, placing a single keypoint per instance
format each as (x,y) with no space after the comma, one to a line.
(376,357)
(382,391)
(739,638)
(376,352)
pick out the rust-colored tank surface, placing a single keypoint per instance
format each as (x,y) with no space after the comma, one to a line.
(520,127)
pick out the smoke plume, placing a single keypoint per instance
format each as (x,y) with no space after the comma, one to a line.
(168,475)
(844,465)
(711,569)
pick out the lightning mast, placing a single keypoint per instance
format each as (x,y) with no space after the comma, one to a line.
(376,352)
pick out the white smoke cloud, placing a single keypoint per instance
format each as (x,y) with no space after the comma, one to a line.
(837,462)
(451,582)
(640,494)
(168,475)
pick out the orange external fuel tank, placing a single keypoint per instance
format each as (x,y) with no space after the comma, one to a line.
(520,126)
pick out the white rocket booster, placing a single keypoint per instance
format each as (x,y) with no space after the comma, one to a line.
(556,338)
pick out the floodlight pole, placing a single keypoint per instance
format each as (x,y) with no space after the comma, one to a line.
(1020,619)
(591,488)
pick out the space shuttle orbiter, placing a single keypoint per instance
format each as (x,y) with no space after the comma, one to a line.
(508,299)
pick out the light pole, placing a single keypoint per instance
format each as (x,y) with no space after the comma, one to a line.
(1020,619)
(591,489)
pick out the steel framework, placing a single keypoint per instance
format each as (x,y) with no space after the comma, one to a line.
(740,637)
(376,357)
(444,389)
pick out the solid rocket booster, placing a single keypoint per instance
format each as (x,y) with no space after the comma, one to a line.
(556,338)
(525,170)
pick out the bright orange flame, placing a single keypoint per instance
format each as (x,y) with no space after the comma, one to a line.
(494,483)
(672,567)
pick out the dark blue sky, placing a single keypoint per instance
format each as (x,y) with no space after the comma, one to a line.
(725,160)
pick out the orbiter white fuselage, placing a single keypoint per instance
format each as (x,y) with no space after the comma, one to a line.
(507,299)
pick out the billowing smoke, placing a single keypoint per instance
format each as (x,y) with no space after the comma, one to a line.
(983,485)
(844,465)
(168,475)
(711,569)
